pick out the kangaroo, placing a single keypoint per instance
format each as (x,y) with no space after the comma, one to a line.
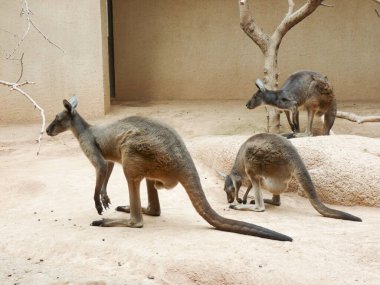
(146,149)
(268,161)
(304,88)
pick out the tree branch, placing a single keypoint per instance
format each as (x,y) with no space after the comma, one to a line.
(26,11)
(16,86)
(293,18)
(249,26)
(22,68)
(356,118)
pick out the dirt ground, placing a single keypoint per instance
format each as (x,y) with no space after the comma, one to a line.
(47,207)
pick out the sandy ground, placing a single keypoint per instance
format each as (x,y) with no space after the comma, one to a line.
(47,206)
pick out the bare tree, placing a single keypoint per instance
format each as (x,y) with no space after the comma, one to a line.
(16,86)
(270,44)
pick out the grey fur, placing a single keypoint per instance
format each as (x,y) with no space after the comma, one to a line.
(146,149)
(268,161)
(303,88)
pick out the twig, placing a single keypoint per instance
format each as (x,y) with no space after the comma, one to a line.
(26,11)
(8,32)
(356,118)
(327,5)
(22,68)
(377,13)
(16,86)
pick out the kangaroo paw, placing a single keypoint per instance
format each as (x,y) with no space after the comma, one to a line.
(98,206)
(105,201)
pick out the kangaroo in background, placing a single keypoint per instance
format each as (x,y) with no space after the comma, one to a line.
(303,88)
(268,161)
(146,149)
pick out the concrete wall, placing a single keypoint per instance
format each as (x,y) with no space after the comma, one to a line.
(179,49)
(79,27)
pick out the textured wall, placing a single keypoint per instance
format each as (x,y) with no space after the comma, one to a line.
(167,49)
(79,27)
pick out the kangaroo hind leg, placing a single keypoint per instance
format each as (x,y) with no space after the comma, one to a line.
(153,208)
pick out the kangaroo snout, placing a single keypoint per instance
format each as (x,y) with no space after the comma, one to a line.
(48,131)
(248,105)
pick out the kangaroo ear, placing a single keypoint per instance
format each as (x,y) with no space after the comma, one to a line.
(73,101)
(260,85)
(67,106)
(221,174)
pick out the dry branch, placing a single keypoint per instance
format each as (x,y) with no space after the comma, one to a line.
(26,11)
(356,118)
(16,86)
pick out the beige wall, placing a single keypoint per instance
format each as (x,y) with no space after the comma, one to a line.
(180,49)
(79,27)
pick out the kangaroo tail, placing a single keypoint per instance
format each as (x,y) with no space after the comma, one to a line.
(329,118)
(304,179)
(193,187)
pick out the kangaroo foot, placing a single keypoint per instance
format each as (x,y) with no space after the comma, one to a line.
(147,211)
(243,207)
(272,202)
(288,135)
(275,202)
(117,223)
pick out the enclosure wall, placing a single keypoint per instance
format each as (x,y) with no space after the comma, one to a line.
(79,27)
(170,49)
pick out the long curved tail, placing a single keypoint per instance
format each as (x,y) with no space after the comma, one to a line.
(304,179)
(193,187)
(329,118)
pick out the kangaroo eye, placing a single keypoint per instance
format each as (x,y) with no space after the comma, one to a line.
(284,99)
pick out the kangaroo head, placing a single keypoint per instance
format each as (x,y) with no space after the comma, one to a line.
(229,188)
(63,120)
(257,98)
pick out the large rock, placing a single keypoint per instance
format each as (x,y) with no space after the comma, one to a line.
(345,169)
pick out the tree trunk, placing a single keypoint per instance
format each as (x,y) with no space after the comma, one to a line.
(271,82)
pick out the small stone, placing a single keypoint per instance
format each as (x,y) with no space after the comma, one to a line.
(103,239)
(39,220)
(150,276)
(119,263)
(41,260)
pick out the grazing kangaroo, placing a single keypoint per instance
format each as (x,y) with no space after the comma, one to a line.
(146,149)
(268,161)
(304,88)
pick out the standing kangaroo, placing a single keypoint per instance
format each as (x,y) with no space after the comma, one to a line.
(304,88)
(146,149)
(268,161)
